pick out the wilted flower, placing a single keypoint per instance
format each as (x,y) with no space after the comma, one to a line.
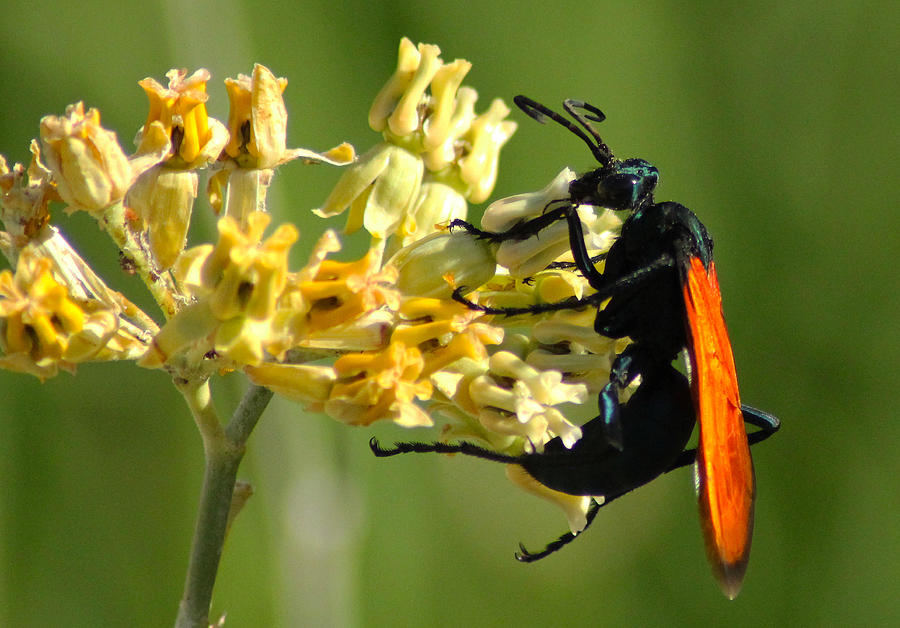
(24,205)
(87,164)
(195,138)
(43,327)
(163,197)
(257,123)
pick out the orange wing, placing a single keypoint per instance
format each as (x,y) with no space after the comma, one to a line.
(724,470)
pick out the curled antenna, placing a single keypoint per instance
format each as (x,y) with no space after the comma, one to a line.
(589,113)
(592,114)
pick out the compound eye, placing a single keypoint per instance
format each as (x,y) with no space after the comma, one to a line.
(649,183)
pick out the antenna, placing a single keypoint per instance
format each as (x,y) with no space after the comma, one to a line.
(539,112)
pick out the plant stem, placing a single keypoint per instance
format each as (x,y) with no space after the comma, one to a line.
(248,412)
(224,449)
(160,283)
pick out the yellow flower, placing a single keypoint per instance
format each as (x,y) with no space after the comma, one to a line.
(380,385)
(478,165)
(380,189)
(575,507)
(244,274)
(240,191)
(463,168)
(444,331)
(524,258)
(437,205)
(566,342)
(306,384)
(196,139)
(88,166)
(504,213)
(395,108)
(186,337)
(38,313)
(343,291)
(324,305)
(237,284)
(404,350)
(518,400)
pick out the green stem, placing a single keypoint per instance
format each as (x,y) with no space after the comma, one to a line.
(160,283)
(224,449)
(248,412)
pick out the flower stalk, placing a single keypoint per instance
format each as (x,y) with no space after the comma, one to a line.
(159,283)
(224,449)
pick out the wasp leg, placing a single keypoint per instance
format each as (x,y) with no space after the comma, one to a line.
(626,367)
(522,230)
(524,556)
(440,448)
(767,424)
(657,421)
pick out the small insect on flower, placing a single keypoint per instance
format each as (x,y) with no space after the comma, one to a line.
(658,287)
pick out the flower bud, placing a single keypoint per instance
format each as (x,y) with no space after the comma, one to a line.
(435,265)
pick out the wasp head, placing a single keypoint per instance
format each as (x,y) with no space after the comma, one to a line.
(622,185)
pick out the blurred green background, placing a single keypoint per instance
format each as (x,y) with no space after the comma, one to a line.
(772,120)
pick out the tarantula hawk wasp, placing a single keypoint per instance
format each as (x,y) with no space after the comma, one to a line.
(663,293)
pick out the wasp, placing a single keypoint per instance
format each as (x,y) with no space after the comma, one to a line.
(658,286)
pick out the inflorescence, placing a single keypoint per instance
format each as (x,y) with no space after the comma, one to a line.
(377,338)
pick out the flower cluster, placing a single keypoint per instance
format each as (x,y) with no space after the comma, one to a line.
(376,338)
(437,154)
